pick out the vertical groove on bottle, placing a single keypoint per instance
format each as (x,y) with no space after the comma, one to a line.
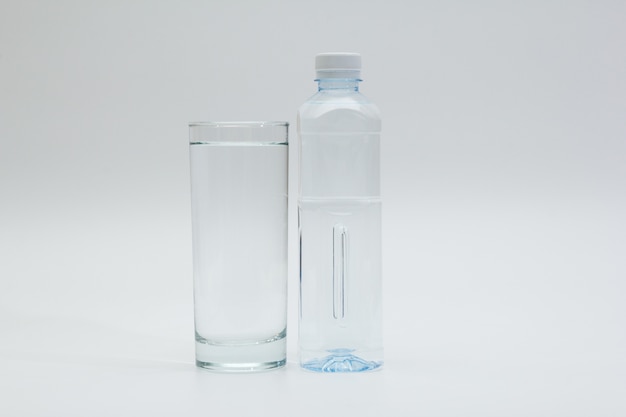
(340,252)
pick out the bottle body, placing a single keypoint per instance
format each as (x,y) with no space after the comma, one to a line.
(339,214)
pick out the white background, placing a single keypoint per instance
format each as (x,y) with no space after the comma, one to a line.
(504,189)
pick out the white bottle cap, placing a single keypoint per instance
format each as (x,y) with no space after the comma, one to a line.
(338,65)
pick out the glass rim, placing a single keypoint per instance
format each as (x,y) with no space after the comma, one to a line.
(248,124)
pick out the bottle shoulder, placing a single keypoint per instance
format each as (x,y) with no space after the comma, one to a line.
(340,110)
(338,99)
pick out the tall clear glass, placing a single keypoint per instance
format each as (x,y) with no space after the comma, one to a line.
(239,214)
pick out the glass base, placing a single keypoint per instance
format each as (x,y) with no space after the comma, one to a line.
(241,357)
(241,367)
(341,360)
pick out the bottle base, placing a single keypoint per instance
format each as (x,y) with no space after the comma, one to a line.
(341,360)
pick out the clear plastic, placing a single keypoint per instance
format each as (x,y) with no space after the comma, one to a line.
(239,214)
(339,211)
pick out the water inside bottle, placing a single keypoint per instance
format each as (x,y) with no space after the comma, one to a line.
(340,236)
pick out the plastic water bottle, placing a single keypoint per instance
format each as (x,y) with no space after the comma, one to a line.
(339,211)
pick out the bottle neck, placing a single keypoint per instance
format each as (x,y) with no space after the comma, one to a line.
(338,84)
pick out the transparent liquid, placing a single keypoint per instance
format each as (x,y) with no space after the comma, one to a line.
(340,323)
(239,213)
(340,234)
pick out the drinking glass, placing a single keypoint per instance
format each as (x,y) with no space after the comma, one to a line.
(239,220)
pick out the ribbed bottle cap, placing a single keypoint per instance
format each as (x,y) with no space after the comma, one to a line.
(338,65)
